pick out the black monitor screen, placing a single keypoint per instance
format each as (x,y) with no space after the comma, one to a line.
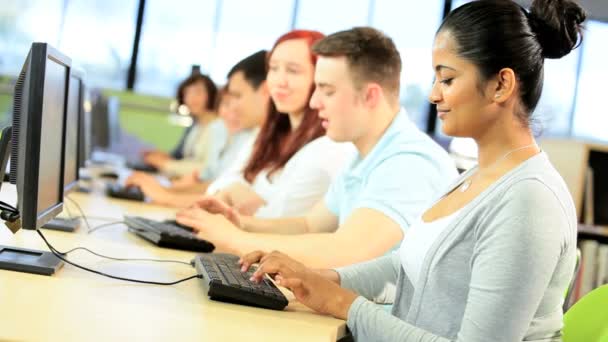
(51,139)
(71,135)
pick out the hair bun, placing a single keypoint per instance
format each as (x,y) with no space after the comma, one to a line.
(557,25)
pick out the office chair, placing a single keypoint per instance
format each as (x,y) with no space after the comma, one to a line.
(586,320)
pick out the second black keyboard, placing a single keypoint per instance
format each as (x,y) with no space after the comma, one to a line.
(224,281)
(167,235)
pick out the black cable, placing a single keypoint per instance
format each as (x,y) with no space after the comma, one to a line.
(8,207)
(84,217)
(58,255)
(124,259)
(118,259)
(105,225)
(97,218)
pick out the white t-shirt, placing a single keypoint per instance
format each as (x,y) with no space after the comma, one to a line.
(202,146)
(303,181)
(235,170)
(420,237)
(230,154)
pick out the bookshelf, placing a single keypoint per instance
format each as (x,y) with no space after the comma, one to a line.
(599,233)
(572,158)
(584,167)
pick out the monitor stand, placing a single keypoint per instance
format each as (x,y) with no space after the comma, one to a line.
(28,260)
(64,224)
(15,258)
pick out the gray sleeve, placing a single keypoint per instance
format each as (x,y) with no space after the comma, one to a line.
(517,247)
(374,280)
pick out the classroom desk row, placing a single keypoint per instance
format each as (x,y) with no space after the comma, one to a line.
(75,305)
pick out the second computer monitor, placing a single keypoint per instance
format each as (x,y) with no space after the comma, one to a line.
(72,123)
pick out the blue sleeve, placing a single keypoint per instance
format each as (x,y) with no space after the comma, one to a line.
(218,138)
(334,194)
(402,187)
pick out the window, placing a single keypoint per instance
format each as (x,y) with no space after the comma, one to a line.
(323,15)
(413,31)
(21,24)
(554,108)
(174,37)
(245,27)
(458,3)
(98,36)
(590,118)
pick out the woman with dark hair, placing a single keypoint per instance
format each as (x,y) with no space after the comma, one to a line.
(491,258)
(292,162)
(202,141)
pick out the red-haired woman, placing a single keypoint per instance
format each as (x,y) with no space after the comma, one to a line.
(292,162)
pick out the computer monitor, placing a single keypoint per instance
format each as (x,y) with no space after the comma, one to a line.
(105,125)
(84,127)
(37,146)
(72,139)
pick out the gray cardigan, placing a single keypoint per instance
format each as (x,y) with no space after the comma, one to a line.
(498,272)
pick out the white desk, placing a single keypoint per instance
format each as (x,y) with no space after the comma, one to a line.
(74,305)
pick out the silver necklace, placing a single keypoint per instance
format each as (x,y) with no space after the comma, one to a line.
(467,183)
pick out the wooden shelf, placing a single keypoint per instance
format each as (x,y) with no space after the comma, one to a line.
(599,233)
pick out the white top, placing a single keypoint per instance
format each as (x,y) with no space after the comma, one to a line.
(303,181)
(234,173)
(420,237)
(230,154)
(201,147)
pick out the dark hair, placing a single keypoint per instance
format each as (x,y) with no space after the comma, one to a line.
(277,143)
(209,85)
(497,34)
(253,68)
(371,56)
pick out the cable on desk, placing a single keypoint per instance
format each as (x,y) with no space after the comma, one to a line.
(61,257)
(8,207)
(119,259)
(98,218)
(67,210)
(105,225)
(84,217)
(124,259)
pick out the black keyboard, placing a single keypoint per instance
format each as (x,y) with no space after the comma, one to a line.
(224,281)
(167,235)
(124,192)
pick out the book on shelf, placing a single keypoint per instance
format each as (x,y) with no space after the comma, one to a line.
(589,266)
(588,215)
(593,271)
(602,265)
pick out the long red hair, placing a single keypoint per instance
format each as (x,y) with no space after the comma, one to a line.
(276,143)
